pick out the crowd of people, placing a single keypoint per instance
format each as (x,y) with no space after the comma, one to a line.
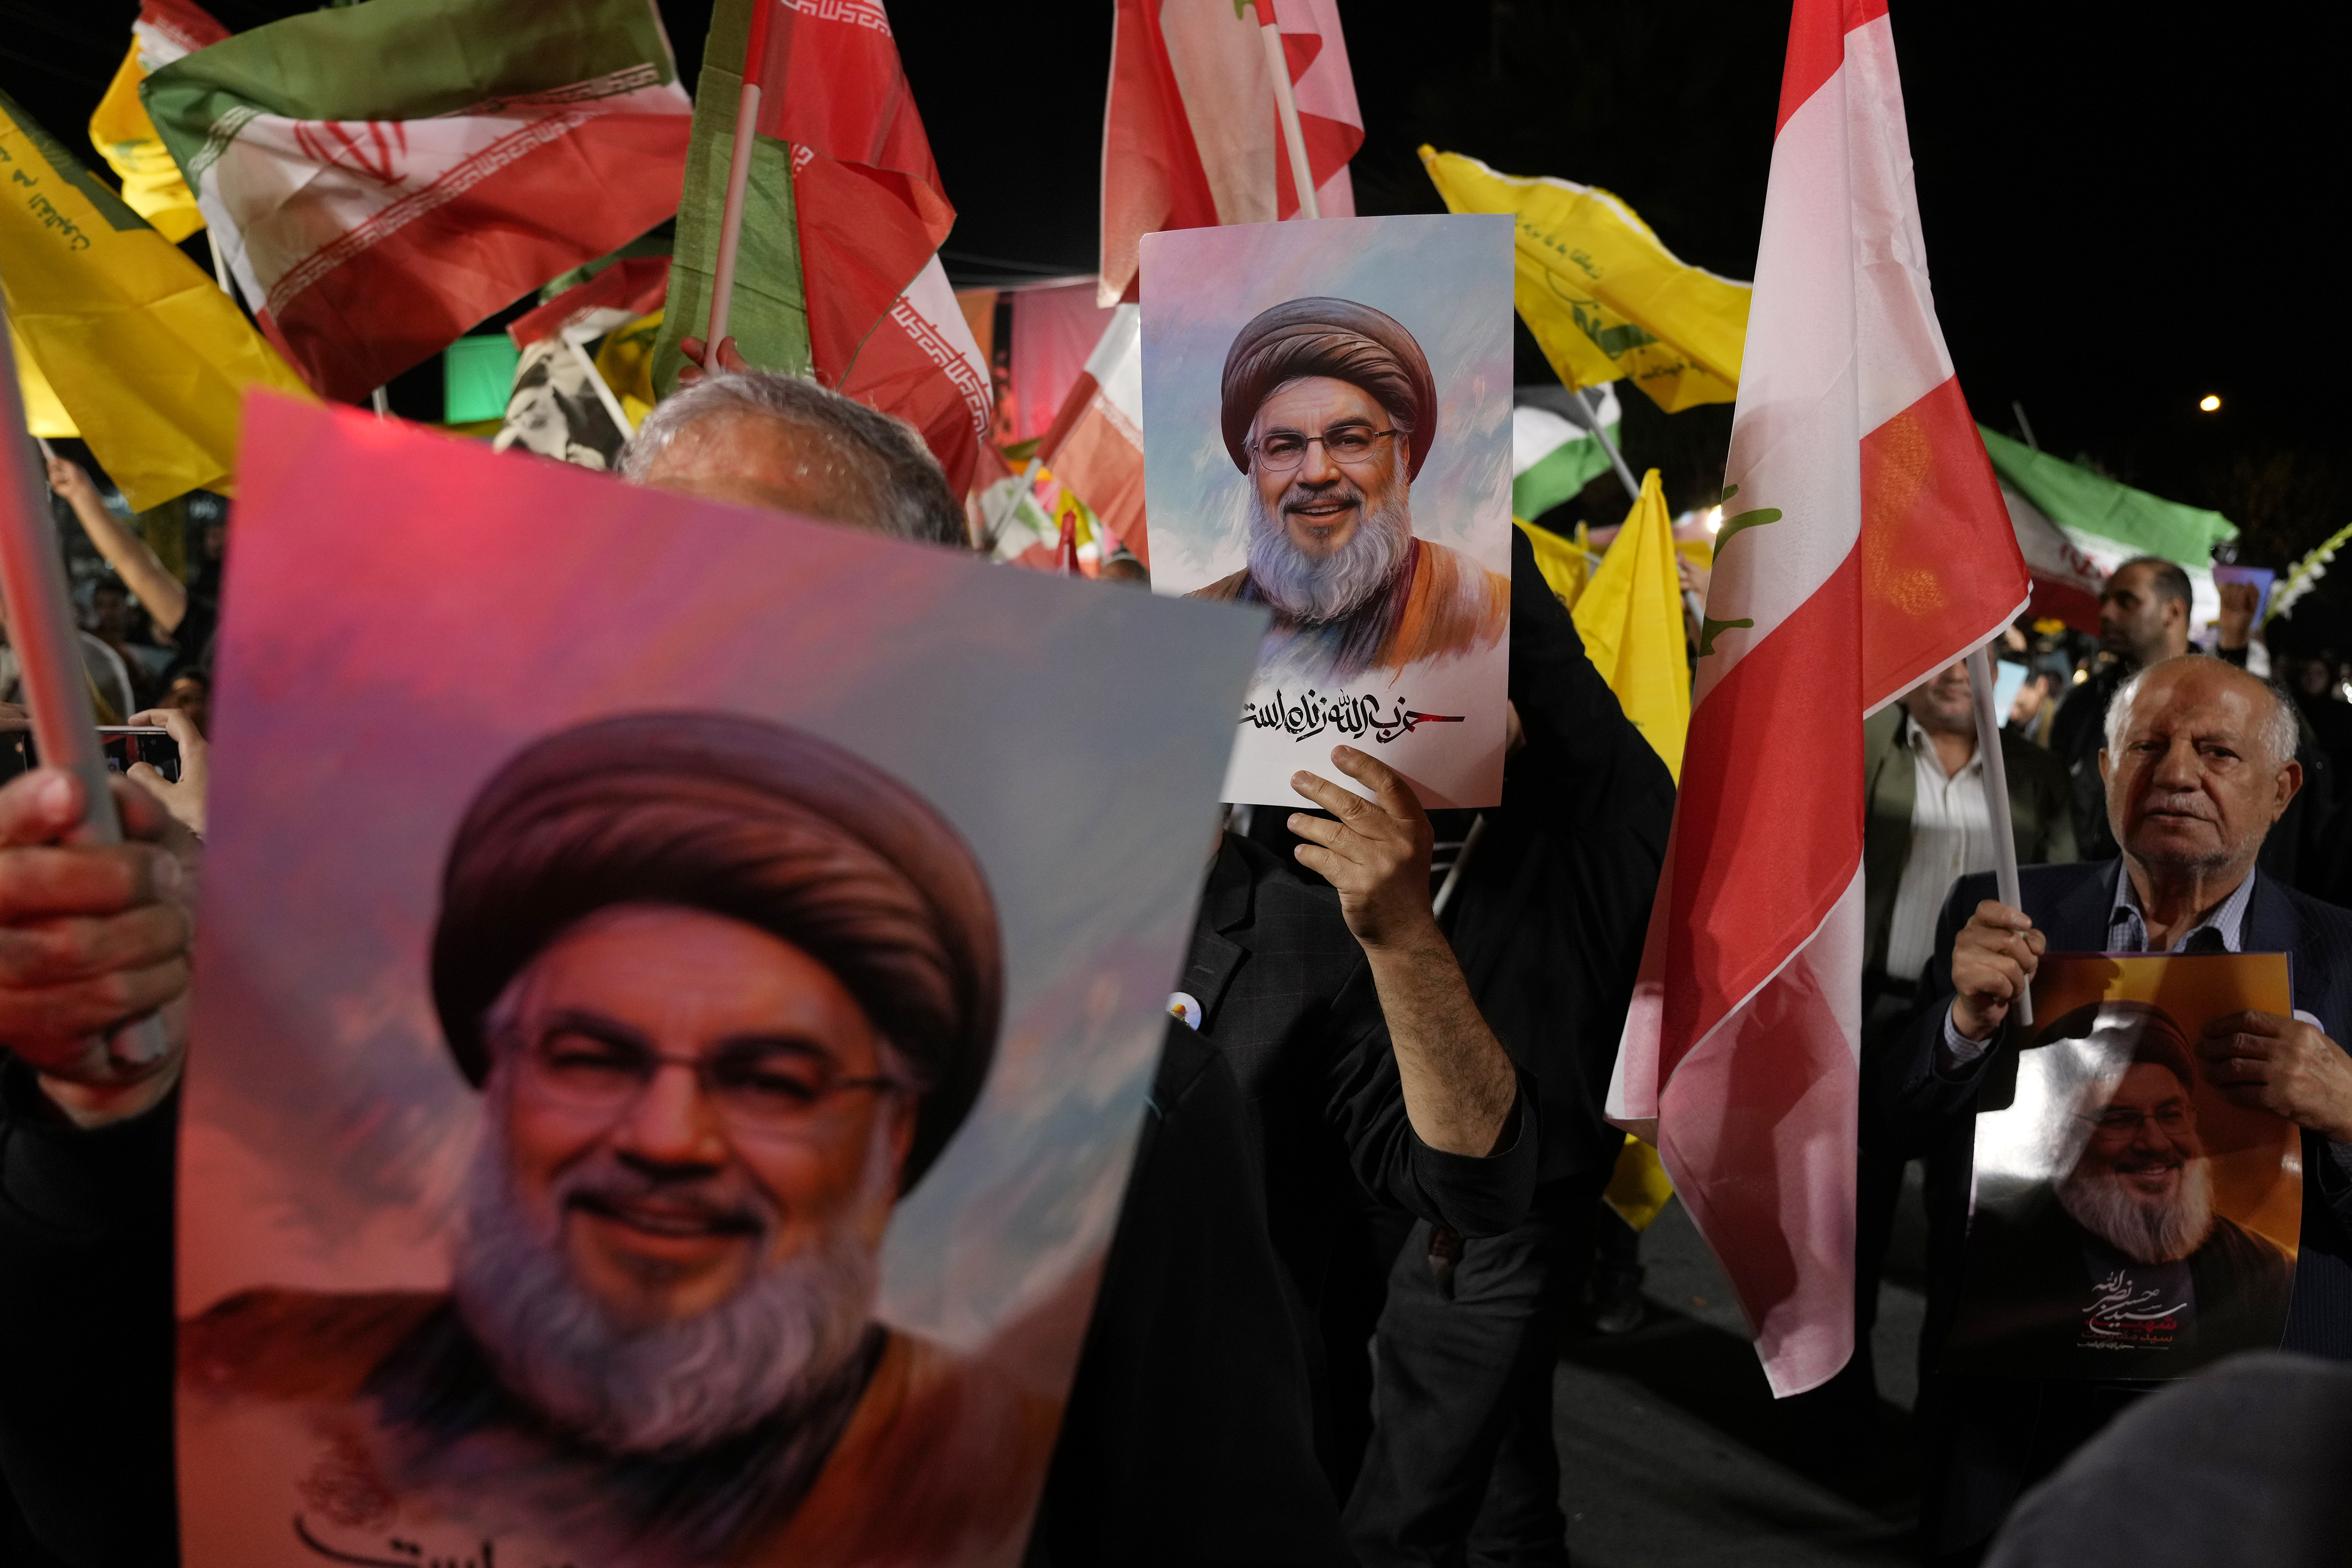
(1367,1199)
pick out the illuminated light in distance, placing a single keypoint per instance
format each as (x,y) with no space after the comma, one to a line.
(2209,402)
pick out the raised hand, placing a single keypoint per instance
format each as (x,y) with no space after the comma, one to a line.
(1993,959)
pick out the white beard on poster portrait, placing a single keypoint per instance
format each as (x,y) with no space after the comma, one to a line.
(670,1388)
(1312,589)
(2145,1228)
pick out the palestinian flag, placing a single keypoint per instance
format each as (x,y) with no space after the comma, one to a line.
(380,177)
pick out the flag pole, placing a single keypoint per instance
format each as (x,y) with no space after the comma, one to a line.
(1286,109)
(1616,459)
(49,660)
(739,183)
(1996,789)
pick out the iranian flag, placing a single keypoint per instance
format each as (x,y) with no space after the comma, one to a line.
(380,177)
(1192,134)
(1095,445)
(1864,545)
(882,320)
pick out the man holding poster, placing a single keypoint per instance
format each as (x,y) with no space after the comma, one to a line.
(1326,419)
(2198,765)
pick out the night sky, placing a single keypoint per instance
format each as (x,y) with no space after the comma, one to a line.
(2124,211)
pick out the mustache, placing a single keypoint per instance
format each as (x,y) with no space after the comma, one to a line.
(611,1189)
(1339,489)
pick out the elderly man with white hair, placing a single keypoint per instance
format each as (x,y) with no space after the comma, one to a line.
(2199,767)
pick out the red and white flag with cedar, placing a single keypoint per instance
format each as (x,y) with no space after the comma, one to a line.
(1192,136)
(1866,545)
(1095,445)
(883,323)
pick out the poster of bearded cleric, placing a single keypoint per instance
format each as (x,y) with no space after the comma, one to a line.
(1326,414)
(661,1086)
(2130,1221)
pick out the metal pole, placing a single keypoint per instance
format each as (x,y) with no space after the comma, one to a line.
(1996,789)
(1461,858)
(49,660)
(1592,407)
(1286,109)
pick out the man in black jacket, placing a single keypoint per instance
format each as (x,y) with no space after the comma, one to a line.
(1547,918)
(2199,767)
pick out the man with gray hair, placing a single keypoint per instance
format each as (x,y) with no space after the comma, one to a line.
(2199,767)
(789,444)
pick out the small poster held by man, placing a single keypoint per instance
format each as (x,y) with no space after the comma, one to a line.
(662,1091)
(1326,412)
(2131,1222)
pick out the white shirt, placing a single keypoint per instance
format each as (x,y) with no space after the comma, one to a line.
(1951,836)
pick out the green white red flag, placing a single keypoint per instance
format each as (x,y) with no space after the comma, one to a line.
(380,177)
(882,323)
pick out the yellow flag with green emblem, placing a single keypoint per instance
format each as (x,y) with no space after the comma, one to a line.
(1631,618)
(1603,298)
(138,345)
(152,183)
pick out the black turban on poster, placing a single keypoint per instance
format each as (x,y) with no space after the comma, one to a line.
(2157,1036)
(1337,338)
(754,821)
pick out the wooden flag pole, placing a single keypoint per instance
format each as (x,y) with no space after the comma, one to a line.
(48,659)
(1286,109)
(1996,789)
(738,184)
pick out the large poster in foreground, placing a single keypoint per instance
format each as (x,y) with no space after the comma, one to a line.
(1327,415)
(2130,1221)
(677,990)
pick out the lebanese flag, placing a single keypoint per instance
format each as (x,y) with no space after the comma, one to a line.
(1095,445)
(884,325)
(380,177)
(1865,546)
(1191,135)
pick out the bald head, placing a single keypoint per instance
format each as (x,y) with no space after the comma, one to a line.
(2199,761)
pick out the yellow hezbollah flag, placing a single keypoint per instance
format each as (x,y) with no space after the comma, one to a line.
(126,139)
(1602,296)
(143,352)
(1639,1187)
(44,415)
(626,364)
(1630,617)
(1565,564)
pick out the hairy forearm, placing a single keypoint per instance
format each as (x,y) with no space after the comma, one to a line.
(1459,1086)
(166,598)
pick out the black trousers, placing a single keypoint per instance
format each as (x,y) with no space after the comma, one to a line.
(1461,1468)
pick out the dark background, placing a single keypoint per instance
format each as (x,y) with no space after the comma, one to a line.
(2125,207)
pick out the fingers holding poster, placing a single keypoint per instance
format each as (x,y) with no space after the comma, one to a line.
(2130,1221)
(660,1098)
(1326,413)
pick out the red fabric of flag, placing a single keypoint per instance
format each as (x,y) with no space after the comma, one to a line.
(871,214)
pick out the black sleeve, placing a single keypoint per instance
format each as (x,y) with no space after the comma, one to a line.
(1189,1436)
(1595,765)
(86,1330)
(1471,1196)
(1907,1094)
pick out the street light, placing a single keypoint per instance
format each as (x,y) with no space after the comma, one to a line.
(2209,402)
